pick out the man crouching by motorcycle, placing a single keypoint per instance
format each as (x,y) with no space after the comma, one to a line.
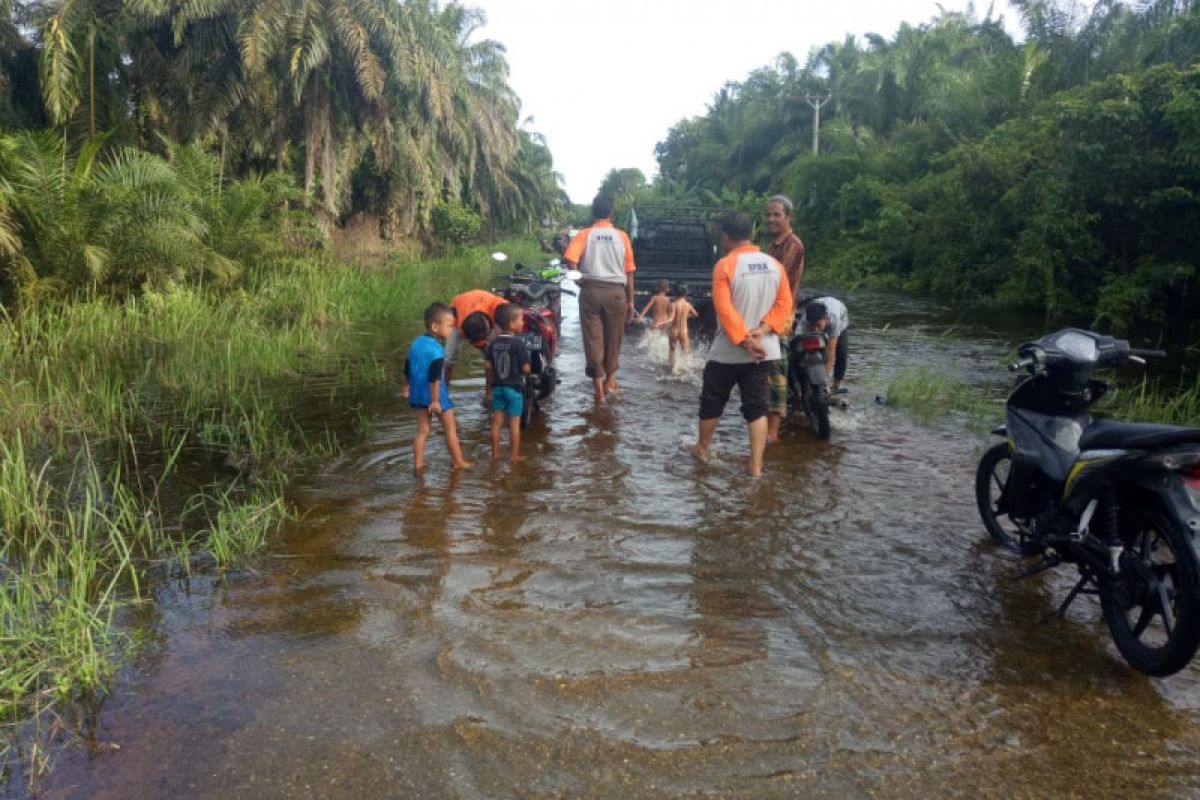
(475,322)
(828,315)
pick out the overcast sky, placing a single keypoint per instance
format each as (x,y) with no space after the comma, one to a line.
(660,61)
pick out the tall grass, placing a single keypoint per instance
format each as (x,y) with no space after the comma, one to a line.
(1150,401)
(66,553)
(929,394)
(101,397)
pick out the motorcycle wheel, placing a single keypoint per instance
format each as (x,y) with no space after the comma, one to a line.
(991,479)
(529,396)
(547,383)
(1151,606)
(818,410)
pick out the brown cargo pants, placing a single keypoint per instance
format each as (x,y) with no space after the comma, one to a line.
(602,320)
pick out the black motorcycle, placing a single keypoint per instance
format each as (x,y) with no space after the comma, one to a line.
(1119,500)
(807,381)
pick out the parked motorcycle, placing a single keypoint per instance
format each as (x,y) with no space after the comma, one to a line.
(540,289)
(1119,500)
(807,381)
(539,293)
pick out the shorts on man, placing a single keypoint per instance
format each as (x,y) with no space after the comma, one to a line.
(719,380)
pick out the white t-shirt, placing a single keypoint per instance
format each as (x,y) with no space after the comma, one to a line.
(835,310)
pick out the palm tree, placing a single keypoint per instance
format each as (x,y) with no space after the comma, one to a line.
(103,222)
(75,34)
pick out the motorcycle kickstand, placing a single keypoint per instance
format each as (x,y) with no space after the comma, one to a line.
(1087,577)
(1048,562)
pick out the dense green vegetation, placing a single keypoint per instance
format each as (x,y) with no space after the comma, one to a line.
(1058,174)
(378,107)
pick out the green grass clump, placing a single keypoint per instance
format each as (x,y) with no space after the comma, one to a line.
(1149,401)
(929,394)
(67,556)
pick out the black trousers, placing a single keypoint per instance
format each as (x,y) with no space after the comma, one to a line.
(841,355)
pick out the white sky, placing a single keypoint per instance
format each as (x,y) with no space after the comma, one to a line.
(661,61)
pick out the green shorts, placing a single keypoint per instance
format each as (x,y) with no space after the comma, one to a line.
(777,387)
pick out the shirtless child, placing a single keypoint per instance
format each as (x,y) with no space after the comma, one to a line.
(677,324)
(659,305)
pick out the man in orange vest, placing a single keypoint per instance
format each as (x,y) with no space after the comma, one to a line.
(753,300)
(474,321)
(604,255)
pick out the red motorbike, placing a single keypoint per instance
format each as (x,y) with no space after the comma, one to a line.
(539,293)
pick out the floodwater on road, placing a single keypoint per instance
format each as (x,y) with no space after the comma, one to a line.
(612,619)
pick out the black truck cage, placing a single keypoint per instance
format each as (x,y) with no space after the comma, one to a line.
(676,243)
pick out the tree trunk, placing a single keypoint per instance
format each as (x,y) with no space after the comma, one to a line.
(280,136)
(92,79)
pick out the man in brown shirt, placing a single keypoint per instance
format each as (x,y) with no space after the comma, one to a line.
(788,250)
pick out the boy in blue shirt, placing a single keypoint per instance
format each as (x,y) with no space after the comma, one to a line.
(507,364)
(425,386)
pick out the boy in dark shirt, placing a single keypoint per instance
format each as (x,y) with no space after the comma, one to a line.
(507,365)
(425,386)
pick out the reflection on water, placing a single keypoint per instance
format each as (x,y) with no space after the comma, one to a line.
(610,618)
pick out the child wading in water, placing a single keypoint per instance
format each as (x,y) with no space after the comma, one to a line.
(659,305)
(425,387)
(507,365)
(677,324)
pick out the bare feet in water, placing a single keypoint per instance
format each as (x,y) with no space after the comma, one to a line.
(701,453)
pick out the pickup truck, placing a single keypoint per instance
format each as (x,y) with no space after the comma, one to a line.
(680,245)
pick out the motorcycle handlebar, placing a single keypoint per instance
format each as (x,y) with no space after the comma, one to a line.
(537,289)
(1024,363)
(1133,351)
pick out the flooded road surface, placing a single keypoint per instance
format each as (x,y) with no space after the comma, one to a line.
(612,619)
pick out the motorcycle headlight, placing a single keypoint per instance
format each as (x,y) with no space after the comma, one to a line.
(1077,347)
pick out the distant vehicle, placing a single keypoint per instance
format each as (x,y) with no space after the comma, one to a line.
(678,244)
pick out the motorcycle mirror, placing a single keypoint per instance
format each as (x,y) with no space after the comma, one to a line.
(574,275)
(498,256)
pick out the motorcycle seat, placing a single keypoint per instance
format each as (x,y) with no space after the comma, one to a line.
(1104,434)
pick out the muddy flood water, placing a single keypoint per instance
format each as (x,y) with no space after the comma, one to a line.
(613,619)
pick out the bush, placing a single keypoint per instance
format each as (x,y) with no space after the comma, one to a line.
(455,223)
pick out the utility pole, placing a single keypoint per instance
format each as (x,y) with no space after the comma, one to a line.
(817,101)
